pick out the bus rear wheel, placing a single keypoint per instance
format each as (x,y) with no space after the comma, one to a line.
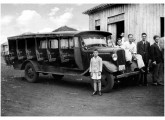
(30,74)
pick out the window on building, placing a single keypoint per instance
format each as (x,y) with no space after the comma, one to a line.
(162,26)
(97,24)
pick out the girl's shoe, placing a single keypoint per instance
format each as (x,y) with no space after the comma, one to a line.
(155,84)
(94,93)
(100,93)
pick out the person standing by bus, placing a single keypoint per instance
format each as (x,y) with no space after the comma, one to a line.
(143,48)
(95,70)
(157,61)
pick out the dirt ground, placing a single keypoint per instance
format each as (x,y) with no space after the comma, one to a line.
(51,97)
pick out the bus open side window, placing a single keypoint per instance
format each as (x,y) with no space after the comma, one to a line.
(41,49)
(53,50)
(30,50)
(12,50)
(21,49)
(67,49)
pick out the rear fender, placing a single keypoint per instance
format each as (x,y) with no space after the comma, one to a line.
(34,63)
(134,65)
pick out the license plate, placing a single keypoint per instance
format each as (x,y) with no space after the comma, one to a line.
(121,67)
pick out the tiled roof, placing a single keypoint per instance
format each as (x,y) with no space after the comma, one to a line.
(64,28)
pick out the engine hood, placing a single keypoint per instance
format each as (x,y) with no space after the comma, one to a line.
(106,49)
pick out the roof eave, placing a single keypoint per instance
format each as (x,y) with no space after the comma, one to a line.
(97,8)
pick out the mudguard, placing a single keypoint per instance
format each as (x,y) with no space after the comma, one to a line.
(134,65)
(34,63)
(110,67)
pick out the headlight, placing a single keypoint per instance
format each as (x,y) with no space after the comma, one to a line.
(114,56)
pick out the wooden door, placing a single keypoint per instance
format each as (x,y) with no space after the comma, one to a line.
(112,28)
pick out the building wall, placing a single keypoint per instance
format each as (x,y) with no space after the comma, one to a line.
(138,18)
(149,20)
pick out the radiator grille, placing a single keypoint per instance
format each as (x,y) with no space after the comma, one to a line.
(121,57)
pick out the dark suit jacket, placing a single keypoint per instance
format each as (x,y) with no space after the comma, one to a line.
(145,53)
(156,54)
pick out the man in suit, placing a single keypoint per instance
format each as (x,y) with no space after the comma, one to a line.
(157,60)
(161,44)
(143,48)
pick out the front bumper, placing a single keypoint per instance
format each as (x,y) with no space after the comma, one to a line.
(127,74)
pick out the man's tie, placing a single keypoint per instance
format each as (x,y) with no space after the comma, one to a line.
(144,46)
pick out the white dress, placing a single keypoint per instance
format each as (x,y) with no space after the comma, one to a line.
(95,67)
(96,76)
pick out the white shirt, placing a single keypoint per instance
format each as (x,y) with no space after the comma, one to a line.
(121,46)
(95,64)
(111,43)
(123,40)
(130,46)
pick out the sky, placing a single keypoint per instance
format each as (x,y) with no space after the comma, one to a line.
(21,18)
(44,16)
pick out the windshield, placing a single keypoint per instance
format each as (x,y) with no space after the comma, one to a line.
(94,40)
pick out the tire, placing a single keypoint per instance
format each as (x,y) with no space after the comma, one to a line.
(30,74)
(57,77)
(136,78)
(107,82)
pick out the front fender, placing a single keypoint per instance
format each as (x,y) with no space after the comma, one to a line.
(110,67)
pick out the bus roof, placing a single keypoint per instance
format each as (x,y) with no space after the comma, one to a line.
(57,34)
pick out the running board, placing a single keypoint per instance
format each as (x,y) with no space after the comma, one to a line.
(127,74)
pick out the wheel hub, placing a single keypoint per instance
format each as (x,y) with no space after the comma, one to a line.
(30,72)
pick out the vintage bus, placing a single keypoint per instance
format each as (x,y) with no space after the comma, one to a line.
(68,53)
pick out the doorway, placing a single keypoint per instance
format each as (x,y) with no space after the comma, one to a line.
(162,26)
(120,28)
(116,29)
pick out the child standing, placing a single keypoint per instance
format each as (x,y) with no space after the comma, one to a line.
(95,71)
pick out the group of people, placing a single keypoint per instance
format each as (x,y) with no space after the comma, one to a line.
(144,53)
